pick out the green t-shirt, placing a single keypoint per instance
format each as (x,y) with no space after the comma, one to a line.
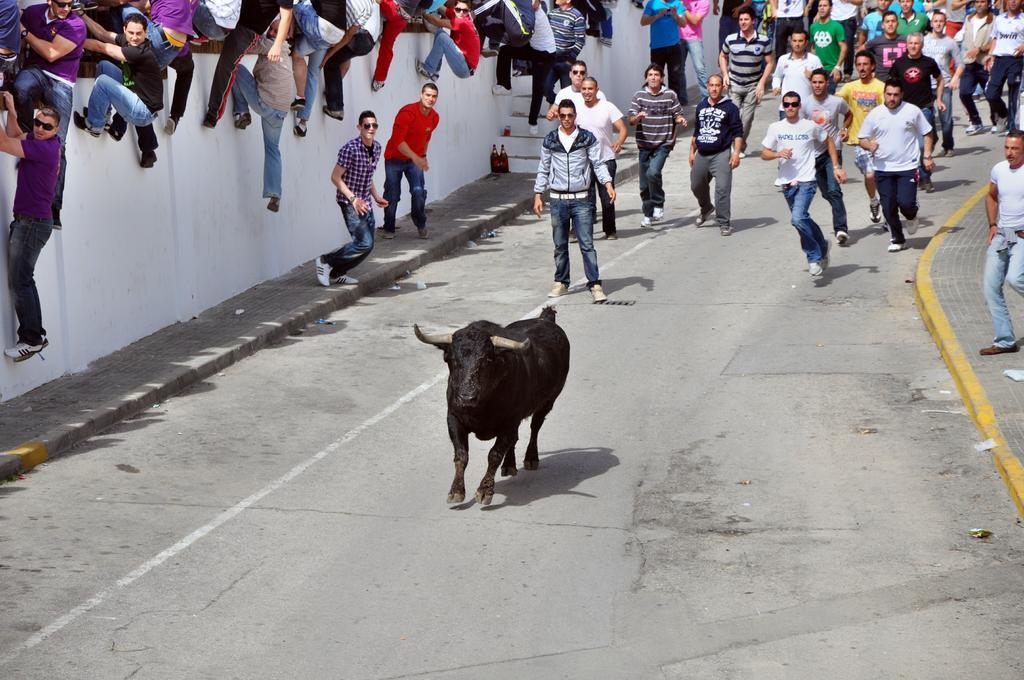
(825,39)
(918,24)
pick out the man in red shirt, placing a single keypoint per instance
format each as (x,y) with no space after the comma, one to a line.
(461,48)
(406,154)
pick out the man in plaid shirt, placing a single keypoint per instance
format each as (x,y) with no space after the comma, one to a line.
(353,178)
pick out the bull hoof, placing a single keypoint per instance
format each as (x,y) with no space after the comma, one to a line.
(531,464)
(509,472)
(483,498)
(456,497)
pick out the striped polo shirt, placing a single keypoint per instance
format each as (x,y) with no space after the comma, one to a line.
(658,127)
(746,57)
(569,28)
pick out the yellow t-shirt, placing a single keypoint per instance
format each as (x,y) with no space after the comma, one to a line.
(861,99)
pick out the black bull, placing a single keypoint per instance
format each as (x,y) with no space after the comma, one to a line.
(497,377)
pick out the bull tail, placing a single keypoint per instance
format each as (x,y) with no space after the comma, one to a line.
(548,314)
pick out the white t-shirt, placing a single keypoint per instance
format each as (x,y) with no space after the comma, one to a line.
(896,131)
(567,140)
(1009,34)
(1010,183)
(575,96)
(543,38)
(599,119)
(841,11)
(803,137)
(828,114)
(790,74)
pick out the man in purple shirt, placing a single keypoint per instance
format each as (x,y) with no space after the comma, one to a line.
(353,178)
(40,155)
(55,37)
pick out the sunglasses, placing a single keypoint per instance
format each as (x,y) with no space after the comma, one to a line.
(370,126)
(790,105)
(567,115)
(578,73)
(63,5)
(461,10)
(46,126)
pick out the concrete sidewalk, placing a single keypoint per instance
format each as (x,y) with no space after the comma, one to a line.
(951,300)
(53,418)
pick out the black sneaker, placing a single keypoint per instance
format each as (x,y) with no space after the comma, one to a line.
(209,121)
(243,120)
(148,159)
(82,124)
(298,103)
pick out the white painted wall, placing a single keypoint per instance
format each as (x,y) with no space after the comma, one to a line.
(143,249)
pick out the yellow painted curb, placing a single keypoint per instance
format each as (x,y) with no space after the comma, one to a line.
(967,383)
(31,453)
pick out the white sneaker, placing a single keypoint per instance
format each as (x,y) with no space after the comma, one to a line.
(323,272)
(658,214)
(498,90)
(976,130)
(558,290)
(23,350)
(645,223)
(598,292)
(842,237)
(910,226)
(345,280)
(743,154)
(815,269)
(897,247)
(1000,126)
(534,130)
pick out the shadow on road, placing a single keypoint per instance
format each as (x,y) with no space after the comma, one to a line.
(559,474)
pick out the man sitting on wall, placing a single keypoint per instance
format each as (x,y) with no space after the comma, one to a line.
(133,88)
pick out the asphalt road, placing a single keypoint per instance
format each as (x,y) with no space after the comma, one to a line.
(750,474)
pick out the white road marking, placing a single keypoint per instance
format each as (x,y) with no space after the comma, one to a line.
(149,565)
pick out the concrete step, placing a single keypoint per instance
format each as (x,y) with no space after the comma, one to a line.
(520,145)
(520,125)
(523,164)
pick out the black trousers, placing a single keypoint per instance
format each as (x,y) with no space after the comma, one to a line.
(671,59)
(541,68)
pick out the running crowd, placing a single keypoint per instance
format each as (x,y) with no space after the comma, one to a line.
(908,57)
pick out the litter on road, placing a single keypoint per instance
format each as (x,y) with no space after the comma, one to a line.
(986,445)
(1015,374)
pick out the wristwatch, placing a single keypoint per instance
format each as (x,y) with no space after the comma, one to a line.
(24,33)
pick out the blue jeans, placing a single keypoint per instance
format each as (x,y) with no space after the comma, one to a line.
(929,115)
(811,239)
(574,211)
(360,227)
(652,190)
(32,85)
(207,25)
(108,91)
(830,189)
(1005,70)
(310,44)
(25,242)
(245,96)
(445,47)
(946,119)
(897,192)
(694,49)
(393,171)
(1006,265)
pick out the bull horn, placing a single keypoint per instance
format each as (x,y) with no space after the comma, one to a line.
(505,343)
(439,340)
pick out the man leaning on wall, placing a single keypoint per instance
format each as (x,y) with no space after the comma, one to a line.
(38,152)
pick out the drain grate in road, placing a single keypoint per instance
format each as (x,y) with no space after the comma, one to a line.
(620,303)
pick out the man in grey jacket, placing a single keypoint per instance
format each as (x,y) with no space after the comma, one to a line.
(567,156)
